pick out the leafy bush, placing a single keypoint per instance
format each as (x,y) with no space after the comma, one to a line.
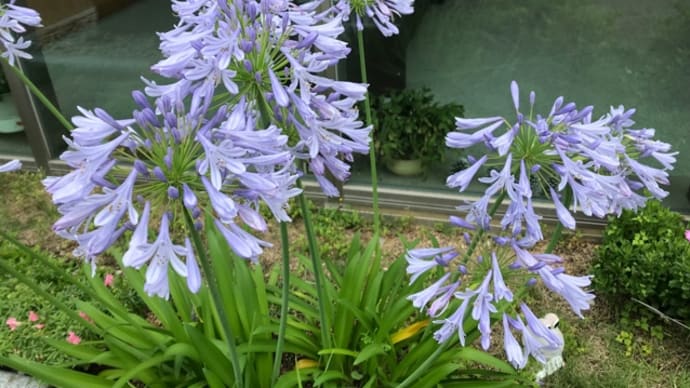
(410,124)
(645,256)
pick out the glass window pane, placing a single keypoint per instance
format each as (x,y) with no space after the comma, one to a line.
(96,50)
(633,53)
(13,141)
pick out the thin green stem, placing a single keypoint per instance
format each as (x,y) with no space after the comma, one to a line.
(556,236)
(425,365)
(480,232)
(285,243)
(318,271)
(37,92)
(372,147)
(215,292)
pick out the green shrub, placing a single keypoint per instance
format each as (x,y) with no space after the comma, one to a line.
(645,256)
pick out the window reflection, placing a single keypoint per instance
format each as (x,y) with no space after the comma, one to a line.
(96,50)
(633,53)
(12,136)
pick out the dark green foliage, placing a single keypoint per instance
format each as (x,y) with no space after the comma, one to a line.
(646,256)
(409,125)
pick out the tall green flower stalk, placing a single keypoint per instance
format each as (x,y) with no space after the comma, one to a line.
(214,287)
(285,295)
(372,151)
(42,97)
(315,256)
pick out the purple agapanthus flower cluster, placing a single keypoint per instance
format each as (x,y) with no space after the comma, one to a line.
(381,12)
(13,20)
(248,99)
(598,163)
(475,288)
(581,163)
(164,160)
(272,55)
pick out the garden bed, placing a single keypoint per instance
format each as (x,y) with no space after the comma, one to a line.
(600,351)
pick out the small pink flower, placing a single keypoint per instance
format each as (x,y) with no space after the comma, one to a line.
(73,338)
(33,317)
(108,281)
(687,235)
(12,323)
(85,317)
(39,326)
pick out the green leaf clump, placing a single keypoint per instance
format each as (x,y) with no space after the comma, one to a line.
(645,256)
(409,124)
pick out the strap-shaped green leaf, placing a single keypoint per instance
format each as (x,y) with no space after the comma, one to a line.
(338,351)
(215,360)
(329,376)
(436,374)
(295,378)
(83,353)
(139,369)
(184,350)
(484,358)
(370,351)
(59,377)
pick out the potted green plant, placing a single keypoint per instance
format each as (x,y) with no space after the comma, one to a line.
(410,129)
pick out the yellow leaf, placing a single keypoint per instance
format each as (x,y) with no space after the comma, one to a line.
(305,363)
(409,331)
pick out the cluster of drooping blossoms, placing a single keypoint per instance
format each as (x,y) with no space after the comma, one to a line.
(271,53)
(473,288)
(595,166)
(13,20)
(381,12)
(147,171)
(595,163)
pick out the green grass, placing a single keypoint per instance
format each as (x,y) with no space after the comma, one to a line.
(19,299)
(595,359)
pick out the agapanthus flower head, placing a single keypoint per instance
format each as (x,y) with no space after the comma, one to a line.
(13,21)
(145,172)
(381,12)
(268,56)
(488,272)
(597,166)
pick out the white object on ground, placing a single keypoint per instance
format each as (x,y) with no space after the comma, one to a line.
(553,355)
(15,380)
